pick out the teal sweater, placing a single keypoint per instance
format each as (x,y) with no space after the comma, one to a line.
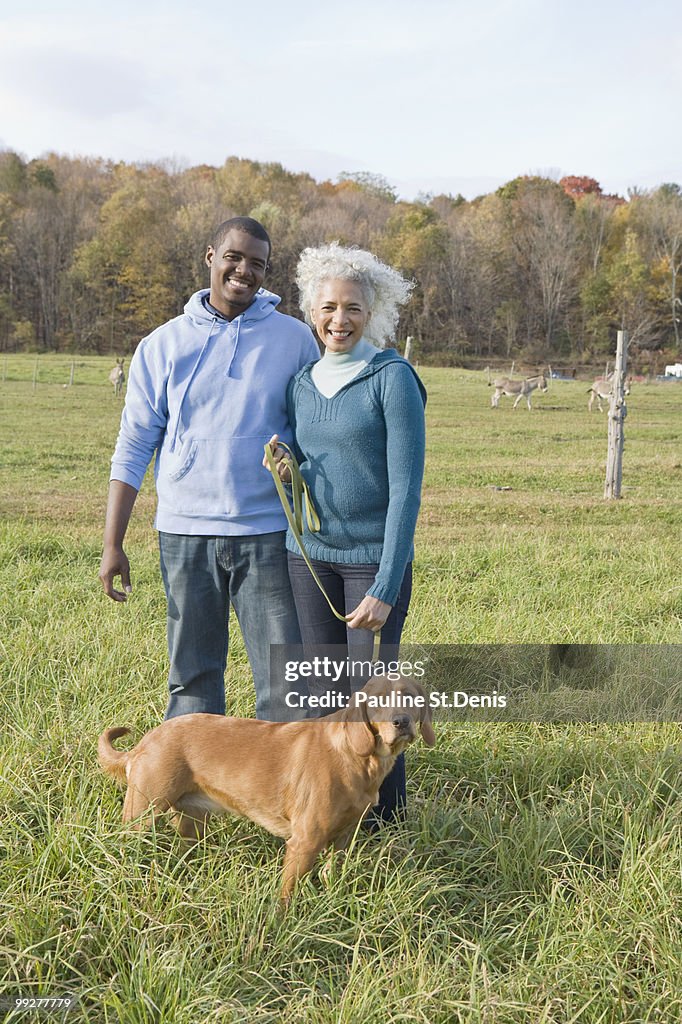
(362,454)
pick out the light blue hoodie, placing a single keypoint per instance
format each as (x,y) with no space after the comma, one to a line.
(205,394)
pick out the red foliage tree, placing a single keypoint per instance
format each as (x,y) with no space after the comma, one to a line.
(577,186)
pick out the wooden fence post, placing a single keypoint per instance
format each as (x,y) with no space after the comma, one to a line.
(617,413)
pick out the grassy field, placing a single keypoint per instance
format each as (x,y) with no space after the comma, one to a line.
(539,877)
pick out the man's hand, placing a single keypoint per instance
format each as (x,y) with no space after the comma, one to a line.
(371,613)
(115,563)
(114,560)
(279,456)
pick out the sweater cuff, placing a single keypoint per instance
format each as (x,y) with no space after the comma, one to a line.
(383,592)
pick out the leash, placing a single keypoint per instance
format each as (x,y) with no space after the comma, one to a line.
(303,503)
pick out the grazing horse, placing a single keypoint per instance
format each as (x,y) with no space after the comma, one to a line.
(117,377)
(602,387)
(520,388)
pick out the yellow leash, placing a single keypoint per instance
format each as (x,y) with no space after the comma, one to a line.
(303,503)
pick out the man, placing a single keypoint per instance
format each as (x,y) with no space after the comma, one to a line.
(205,392)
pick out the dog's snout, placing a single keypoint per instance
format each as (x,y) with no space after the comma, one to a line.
(401,722)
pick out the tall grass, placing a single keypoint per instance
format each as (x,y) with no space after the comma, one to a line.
(538,877)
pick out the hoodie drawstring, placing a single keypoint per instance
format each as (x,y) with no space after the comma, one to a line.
(234,350)
(192,375)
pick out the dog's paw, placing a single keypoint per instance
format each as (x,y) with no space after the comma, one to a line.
(331,869)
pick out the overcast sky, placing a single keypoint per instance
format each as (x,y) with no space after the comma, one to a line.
(436,95)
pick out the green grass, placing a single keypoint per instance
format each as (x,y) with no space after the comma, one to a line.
(539,877)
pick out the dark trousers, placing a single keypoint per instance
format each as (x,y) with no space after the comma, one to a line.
(346,586)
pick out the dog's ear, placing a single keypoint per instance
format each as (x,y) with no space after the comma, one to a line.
(428,735)
(425,726)
(357,729)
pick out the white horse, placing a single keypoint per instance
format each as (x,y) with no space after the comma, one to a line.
(117,377)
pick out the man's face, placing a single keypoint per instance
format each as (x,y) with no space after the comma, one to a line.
(237,271)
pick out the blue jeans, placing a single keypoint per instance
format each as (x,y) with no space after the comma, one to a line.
(346,586)
(203,576)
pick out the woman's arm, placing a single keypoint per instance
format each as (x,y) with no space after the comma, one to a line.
(403,407)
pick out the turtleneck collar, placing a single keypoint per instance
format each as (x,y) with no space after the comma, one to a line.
(335,369)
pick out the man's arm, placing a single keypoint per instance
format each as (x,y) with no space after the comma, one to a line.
(144,420)
(114,559)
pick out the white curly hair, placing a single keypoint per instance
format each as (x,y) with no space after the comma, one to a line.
(383,287)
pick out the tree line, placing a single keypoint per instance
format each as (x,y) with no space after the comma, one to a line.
(94,254)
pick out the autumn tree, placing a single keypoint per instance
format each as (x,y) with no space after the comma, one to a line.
(124,270)
(629,278)
(196,210)
(48,219)
(658,216)
(482,275)
(579,186)
(372,184)
(540,221)
(94,254)
(415,242)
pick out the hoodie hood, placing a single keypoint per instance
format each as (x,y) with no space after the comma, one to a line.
(264,303)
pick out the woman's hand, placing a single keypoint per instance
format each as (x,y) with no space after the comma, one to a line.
(371,613)
(279,456)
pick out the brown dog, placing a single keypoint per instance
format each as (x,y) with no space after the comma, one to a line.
(310,782)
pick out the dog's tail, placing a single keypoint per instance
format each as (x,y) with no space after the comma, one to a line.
(113,761)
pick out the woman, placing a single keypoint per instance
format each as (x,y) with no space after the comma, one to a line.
(358,421)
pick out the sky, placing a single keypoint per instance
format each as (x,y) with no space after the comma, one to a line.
(437,96)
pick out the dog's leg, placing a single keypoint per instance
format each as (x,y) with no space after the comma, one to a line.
(338,847)
(143,794)
(135,804)
(191,826)
(299,858)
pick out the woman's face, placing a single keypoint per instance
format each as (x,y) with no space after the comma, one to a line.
(340,314)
